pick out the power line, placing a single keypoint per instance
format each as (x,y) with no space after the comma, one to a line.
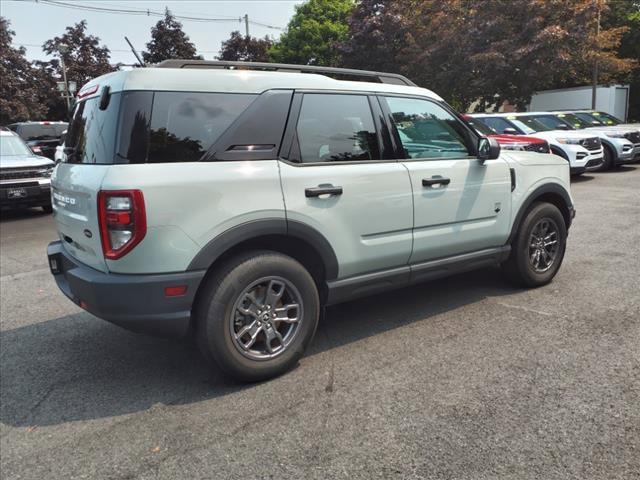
(149,13)
(117,50)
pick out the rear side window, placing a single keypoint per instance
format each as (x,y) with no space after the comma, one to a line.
(185,125)
(333,127)
(151,127)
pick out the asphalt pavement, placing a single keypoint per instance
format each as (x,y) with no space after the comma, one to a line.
(461,378)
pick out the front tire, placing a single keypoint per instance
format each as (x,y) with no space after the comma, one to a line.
(256,315)
(538,249)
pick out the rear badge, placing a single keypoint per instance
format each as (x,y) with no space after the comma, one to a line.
(87,233)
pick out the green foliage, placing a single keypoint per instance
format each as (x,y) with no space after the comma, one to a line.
(20,95)
(313,32)
(169,41)
(493,51)
(241,48)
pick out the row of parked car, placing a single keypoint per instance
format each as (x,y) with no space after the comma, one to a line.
(588,140)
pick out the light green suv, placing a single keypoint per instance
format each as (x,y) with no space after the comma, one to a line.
(237,200)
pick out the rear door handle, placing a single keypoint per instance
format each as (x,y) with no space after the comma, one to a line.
(322,190)
(435,180)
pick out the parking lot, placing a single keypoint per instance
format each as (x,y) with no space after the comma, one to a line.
(464,378)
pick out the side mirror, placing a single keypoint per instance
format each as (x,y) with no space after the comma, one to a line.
(488,149)
(510,131)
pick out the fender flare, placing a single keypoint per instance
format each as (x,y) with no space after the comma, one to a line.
(258,228)
(532,197)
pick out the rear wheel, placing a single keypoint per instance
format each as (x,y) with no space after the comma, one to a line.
(538,249)
(257,314)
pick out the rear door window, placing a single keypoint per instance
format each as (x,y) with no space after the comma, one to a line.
(334,127)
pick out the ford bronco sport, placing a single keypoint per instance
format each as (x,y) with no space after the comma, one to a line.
(237,200)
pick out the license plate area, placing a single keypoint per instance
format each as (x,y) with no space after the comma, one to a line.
(17,193)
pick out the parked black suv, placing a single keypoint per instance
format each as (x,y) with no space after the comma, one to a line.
(42,137)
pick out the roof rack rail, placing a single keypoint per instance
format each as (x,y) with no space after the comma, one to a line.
(357,75)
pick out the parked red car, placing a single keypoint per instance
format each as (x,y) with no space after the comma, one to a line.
(510,142)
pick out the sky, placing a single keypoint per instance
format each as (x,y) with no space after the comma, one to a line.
(35,22)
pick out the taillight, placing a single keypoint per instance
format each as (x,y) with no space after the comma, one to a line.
(123,221)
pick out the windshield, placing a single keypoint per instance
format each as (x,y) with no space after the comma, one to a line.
(480,127)
(11,146)
(606,118)
(589,119)
(574,120)
(529,124)
(552,122)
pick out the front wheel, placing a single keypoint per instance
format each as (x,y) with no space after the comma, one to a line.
(257,314)
(538,249)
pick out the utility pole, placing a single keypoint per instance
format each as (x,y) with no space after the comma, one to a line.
(595,62)
(246,24)
(62,49)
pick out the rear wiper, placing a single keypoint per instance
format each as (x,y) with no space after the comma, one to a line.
(72,152)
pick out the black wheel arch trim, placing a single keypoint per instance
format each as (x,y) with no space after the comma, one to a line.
(216,247)
(535,195)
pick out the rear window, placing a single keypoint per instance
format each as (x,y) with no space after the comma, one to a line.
(40,131)
(152,127)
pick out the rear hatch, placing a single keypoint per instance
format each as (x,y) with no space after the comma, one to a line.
(77,179)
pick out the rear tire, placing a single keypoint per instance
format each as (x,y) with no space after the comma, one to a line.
(257,293)
(538,249)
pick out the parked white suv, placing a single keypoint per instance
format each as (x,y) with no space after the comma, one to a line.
(617,144)
(239,202)
(583,151)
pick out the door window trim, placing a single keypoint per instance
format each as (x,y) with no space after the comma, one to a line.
(289,143)
(471,138)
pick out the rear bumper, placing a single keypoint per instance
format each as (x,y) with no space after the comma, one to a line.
(135,302)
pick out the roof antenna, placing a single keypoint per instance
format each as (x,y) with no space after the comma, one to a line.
(135,53)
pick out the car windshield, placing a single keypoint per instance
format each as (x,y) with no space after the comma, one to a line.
(11,146)
(589,119)
(574,120)
(480,127)
(529,124)
(606,118)
(552,122)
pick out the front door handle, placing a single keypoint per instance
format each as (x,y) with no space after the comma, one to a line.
(322,190)
(435,180)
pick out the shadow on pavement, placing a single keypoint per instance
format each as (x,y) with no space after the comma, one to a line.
(78,367)
(21,214)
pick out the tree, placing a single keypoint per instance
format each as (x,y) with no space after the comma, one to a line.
(246,49)
(376,36)
(19,94)
(84,57)
(626,13)
(169,41)
(492,51)
(313,32)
